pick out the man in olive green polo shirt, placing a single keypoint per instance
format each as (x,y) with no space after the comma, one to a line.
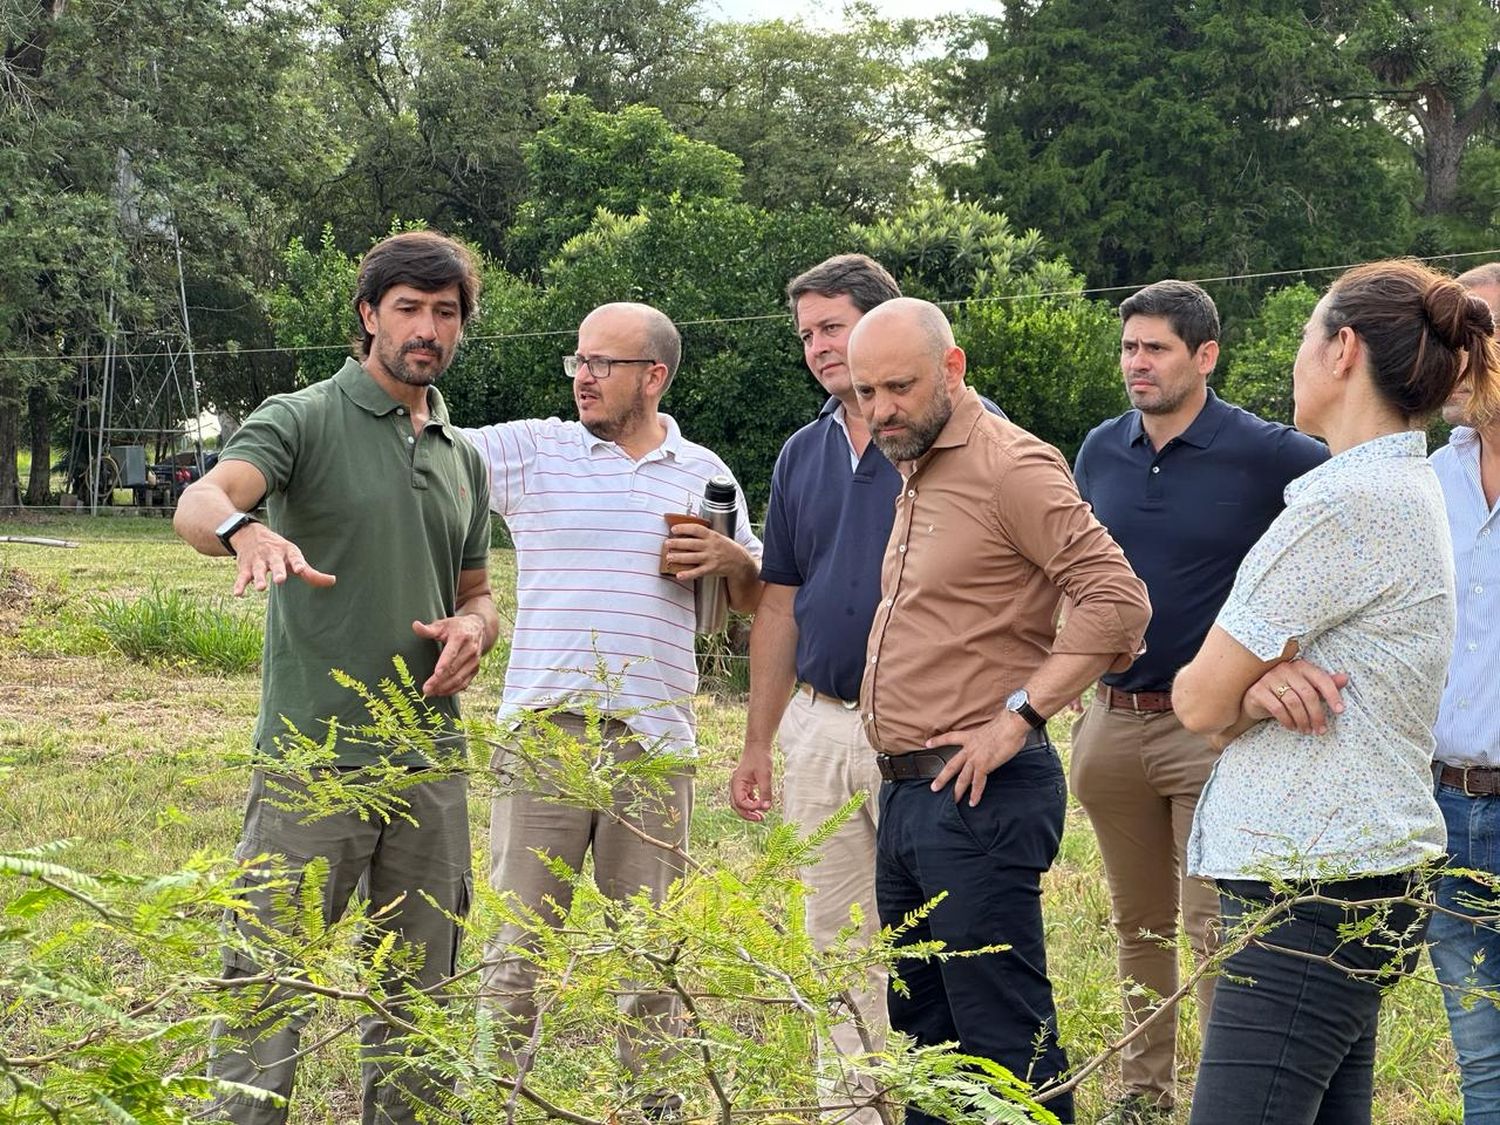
(378,513)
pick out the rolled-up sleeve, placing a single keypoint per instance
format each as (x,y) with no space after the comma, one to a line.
(1038,508)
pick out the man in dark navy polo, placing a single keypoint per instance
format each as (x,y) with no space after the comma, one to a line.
(1186,484)
(833,498)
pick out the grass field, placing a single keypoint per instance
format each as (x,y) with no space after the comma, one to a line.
(128,760)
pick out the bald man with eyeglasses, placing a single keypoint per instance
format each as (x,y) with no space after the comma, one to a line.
(599,628)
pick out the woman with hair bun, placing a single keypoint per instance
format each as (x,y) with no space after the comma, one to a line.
(1320,680)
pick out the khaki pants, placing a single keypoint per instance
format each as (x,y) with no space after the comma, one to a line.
(522,824)
(389,860)
(1138,776)
(828,760)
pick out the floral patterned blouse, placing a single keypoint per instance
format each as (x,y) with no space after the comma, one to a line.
(1359,571)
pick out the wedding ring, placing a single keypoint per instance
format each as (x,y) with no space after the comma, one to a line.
(1281,689)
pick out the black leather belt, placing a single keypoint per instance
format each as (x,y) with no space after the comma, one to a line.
(927,762)
(1474,781)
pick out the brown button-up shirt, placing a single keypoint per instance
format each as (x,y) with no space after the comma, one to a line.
(990,533)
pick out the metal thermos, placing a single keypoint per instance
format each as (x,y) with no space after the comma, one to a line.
(711,595)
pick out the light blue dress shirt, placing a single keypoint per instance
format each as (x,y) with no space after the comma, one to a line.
(1468,725)
(1358,571)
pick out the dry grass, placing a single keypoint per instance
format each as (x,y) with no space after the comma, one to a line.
(130,761)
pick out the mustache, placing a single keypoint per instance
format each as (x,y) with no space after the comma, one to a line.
(424,346)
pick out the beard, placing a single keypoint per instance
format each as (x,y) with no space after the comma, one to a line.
(1158,400)
(626,419)
(921,431)
(394,361)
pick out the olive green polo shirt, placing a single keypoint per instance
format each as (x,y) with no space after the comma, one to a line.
(392,514)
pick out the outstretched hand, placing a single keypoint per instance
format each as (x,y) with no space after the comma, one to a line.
(262,557)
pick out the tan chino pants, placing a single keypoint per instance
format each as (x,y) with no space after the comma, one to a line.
(828,760)
(522,824)
(1139,776)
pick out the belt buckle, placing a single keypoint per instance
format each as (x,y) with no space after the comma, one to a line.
(1466,783)
(1135,701)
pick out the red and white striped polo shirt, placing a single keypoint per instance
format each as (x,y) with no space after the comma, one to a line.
(593,615)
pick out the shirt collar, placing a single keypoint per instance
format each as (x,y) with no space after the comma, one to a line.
(360,388)
(1406,445)
(1465,439)
(671,445)
(960,425)
(1201,430)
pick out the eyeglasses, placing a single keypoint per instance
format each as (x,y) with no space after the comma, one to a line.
(600,366)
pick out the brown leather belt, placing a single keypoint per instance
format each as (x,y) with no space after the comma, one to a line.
(927,762)
(1141,702)
(1474,781)
(820,697)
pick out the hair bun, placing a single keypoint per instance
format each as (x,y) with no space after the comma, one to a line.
(1480,316)
(1449,310)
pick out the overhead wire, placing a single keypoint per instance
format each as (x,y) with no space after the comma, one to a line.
(1084,291)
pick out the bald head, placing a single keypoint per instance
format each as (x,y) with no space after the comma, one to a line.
(906,371)
(918,322)
(1484,282)
(655,334)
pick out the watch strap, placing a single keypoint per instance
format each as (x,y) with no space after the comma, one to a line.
(1033,718)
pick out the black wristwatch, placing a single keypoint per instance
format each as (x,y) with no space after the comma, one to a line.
(1019,702)
(225,531)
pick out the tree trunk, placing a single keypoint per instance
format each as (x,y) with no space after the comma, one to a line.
(39,413)
(10,439)
(1442,152)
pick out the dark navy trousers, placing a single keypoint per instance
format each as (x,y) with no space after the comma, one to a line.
(989,861)
(1291,1040)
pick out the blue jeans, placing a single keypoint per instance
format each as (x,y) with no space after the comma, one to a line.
(989,860)
(1466,956)
(1291,1039)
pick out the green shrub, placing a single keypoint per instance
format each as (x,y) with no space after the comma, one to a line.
(170,627)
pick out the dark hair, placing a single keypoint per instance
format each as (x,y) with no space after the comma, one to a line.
(857,276)
(1424,332)
(1187,308)
(423,259)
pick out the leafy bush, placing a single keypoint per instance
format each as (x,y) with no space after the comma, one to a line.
(1258,371)
(167,626)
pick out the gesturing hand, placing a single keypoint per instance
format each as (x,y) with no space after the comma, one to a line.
(462,638)
(263,557)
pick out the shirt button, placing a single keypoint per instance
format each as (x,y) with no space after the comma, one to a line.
(890,601)
(1463,702)
(911,493)
(1156,468)
(872,660)
(1473,647)
(1478,589)
(1485,532)
(410,440)
(400,410)
(901,549)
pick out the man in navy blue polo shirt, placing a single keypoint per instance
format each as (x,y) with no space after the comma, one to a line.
(1186,483)
(833,498)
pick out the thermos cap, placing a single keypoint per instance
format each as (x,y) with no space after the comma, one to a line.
(719,490)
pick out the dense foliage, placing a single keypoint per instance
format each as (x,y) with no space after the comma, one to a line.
(645,148)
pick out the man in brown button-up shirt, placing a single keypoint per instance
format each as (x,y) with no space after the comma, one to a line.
(964,665)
